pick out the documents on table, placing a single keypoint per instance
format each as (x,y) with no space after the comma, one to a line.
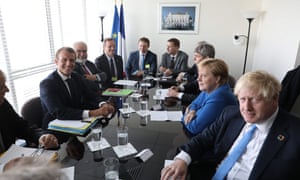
(15,151)
(160,94)
(76,127)
(98,145)
(165,115)
(69,172)
(125,82)
(124,150)
(127,110)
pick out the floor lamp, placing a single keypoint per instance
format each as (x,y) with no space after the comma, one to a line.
(250,16)
(101,19)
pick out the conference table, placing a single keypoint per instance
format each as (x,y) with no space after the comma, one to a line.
(161,137)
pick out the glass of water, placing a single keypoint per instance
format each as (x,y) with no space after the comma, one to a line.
(111,168)
(122,133)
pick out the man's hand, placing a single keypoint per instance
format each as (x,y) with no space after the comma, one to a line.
(162,69)
(48,141)
(180,77)
(90,77)
(168,72)
(176,170)
(140,73)
(173,91)
(104,110)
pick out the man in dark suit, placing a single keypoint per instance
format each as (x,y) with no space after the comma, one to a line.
(141,62)
(87,68)
(174,60)
(65,95)
(12,126)
(110,63)
(273,149)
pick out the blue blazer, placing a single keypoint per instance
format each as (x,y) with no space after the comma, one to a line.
(103,65)
(133,62)
(58,104)
(279,158)
(208,107)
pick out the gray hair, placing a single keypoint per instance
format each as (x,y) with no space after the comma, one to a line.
(205,49)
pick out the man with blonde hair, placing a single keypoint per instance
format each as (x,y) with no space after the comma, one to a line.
(255,140)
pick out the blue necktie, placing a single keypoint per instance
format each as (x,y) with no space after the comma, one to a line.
(142,62)
(236,153)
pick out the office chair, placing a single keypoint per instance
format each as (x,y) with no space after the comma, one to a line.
(32,111)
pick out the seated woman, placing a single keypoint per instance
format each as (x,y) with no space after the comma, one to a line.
(188,91)
(215,95)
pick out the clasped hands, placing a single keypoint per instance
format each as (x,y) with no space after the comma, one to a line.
(105,110)
(173,91)
(48,141)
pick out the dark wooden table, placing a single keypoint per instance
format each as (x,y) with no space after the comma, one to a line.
(161,137)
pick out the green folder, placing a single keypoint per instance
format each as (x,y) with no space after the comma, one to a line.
(117,92)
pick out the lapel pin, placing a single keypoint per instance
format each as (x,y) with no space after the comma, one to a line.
(280,137)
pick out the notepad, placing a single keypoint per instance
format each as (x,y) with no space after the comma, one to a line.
(76,127)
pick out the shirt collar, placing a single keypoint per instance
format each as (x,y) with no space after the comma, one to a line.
(81,61)
(108,57)
(63,77)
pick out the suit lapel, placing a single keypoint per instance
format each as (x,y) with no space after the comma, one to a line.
(276,138)
(62,84)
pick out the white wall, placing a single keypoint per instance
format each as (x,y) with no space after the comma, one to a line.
(278,37)
(219,20)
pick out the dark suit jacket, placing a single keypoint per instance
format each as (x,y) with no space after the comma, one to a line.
(101,76)
(279,158)
(133,63)
(103,65)
(58,104)
(290,89)
(12,126)
(181,62)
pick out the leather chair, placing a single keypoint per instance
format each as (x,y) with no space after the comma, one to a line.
(32,111)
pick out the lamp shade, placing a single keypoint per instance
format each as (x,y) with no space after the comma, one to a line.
(250,14)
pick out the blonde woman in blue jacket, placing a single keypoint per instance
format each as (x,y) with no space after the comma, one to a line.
(215,95)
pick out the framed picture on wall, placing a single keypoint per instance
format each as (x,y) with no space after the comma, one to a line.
(179,18)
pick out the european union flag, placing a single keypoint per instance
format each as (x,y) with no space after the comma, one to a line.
(115,28)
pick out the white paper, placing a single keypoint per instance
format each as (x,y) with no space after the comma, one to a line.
(127,111)
(125,82)
(160,94)
(165,115)
(168,162)
(124,150)
(69,172)
(136,95)
(143,113)
(98,145)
